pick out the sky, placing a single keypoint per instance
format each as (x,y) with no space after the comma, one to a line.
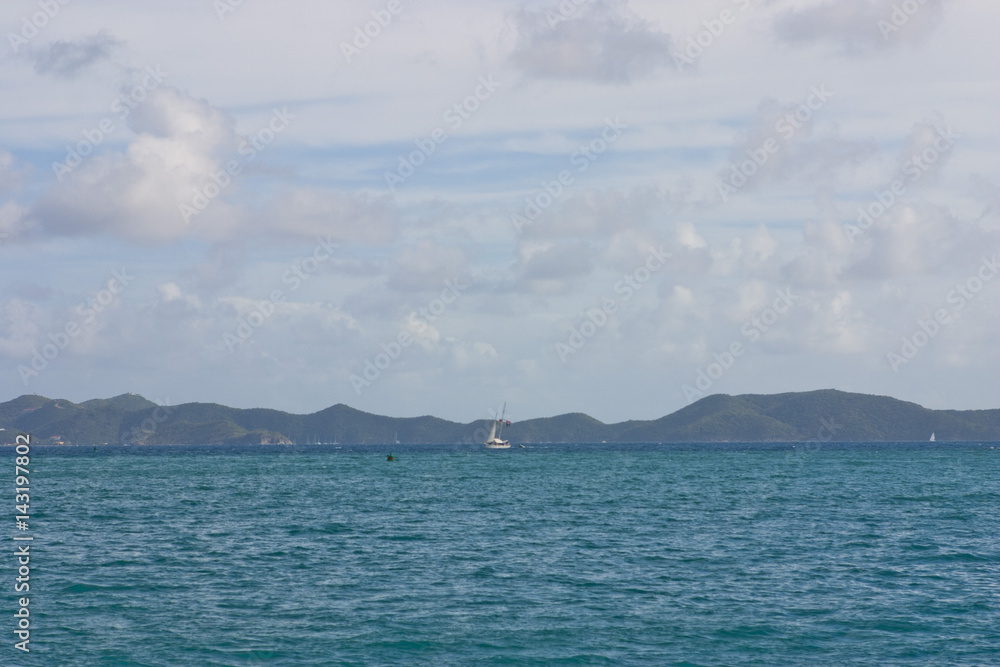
(435,207)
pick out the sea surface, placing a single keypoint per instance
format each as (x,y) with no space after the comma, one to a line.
(750,554)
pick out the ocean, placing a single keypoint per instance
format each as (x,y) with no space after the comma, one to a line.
(730,554)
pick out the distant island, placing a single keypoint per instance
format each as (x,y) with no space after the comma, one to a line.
(825,416)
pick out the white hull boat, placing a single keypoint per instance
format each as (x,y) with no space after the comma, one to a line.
(495,441)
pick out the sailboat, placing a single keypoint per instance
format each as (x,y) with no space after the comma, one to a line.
(495,441)
(933,439)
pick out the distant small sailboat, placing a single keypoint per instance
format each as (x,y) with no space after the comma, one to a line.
(933,439)
(395,438)
(495,441)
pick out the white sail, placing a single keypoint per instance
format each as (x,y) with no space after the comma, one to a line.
(495,440)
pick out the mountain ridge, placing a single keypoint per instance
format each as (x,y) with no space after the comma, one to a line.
(823,415)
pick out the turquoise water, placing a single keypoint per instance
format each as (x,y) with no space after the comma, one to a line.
(654,555)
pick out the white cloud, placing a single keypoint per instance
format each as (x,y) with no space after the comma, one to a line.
(467,356)
(920,238)
(426,335)
(170,291)
(689,238)
(172,182)
(838,325)
(137,194)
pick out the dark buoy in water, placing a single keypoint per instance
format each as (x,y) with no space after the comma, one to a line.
(390,458)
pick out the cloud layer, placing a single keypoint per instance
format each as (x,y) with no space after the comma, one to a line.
(213,222)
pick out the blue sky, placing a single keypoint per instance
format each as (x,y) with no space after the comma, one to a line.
(689,176)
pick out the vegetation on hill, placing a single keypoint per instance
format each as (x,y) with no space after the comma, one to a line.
(826,415)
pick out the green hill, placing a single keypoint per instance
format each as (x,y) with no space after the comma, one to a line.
(91,422)
(826,415)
